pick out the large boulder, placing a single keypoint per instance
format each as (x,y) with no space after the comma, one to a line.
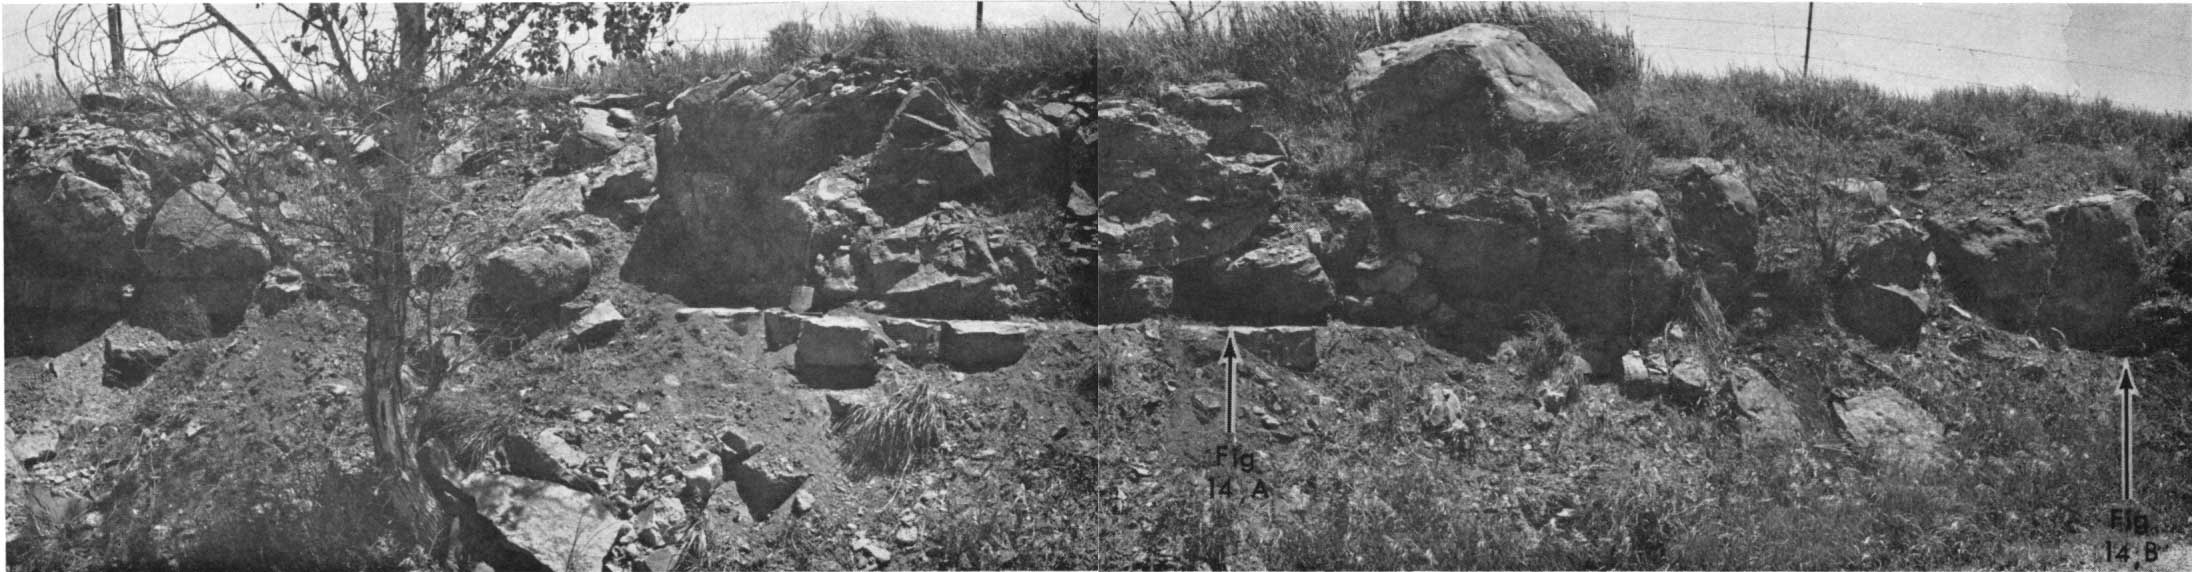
(1462,77)
(561,529)
(70,251)
(746,206)
(2096,280)
(1611,273)
(1892,427)
(74,220)
(1996,265)
(544,269)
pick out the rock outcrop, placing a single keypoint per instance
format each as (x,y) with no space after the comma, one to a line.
(1162,199)
(2074,269)
(949,264)
(746,207)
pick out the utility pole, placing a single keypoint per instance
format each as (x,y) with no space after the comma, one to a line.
(1806,68)
(978,17)
(114,39)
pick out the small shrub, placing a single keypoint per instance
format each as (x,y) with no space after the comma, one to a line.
(790,42)
(1542,346)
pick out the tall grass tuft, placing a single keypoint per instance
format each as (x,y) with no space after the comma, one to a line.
(891,436)
(28,101)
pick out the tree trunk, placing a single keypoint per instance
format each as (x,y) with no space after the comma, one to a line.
(114,41)
(388,393)
(386,312)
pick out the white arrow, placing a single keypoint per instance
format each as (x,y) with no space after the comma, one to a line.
(1232,356)
(2126,391)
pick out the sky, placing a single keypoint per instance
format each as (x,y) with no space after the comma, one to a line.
(2133,54)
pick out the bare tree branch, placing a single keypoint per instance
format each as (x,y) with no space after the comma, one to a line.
(274,73)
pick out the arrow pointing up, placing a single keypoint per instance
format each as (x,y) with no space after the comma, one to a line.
(2126,391)
(1232,355)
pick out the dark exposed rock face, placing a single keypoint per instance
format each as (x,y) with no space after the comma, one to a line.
(1162,200)
(1717,222)
(743,210)
(948,264)
(81,201)
(195,249)
(1612,273)
(1883,296)
(1478,248)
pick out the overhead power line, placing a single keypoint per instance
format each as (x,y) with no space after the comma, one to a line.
(1909,41)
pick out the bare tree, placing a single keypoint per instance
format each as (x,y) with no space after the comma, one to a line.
(363,93)
(1088,13)
(1190,17)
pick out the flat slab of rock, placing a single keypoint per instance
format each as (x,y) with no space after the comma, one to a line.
(565,530)
(1292,347)
(598,324)
(986,345)
(1769,415)
(543,456)
(838,341)
(913,341)
(1892,427)
(747,328)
